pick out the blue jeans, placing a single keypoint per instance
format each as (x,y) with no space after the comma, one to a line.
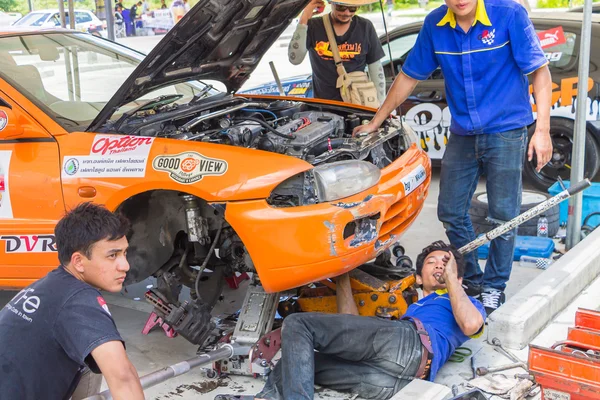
(500,158)
(368,356)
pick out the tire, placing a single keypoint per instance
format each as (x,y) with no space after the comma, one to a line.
(561,132)
(479,212)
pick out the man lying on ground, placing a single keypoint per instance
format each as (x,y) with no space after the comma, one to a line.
(375,357)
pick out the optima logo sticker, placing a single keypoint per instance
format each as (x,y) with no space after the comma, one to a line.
(189,167)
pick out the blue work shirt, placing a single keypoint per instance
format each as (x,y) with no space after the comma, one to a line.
(435,312)
(485,69)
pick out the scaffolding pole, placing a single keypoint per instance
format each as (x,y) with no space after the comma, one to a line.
(578,152)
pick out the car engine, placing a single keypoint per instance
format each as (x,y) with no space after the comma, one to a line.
(310,132)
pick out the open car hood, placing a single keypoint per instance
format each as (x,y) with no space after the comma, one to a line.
(220,40)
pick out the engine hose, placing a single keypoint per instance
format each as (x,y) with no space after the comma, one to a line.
(266,125)
(260,111)
(324,146)
(205,262)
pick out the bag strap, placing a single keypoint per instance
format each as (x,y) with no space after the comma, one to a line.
(334,47)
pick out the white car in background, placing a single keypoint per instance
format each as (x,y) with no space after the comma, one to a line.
(7,19)
(85,21)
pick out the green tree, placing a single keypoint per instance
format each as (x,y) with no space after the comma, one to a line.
(8,5)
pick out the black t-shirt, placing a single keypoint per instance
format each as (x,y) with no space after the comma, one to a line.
(358,47)
(133,13)
(47,333)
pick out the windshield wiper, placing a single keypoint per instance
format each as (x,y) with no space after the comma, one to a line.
(147,105)
(201,93)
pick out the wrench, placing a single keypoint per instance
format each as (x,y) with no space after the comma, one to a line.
(499,348)
(484,371)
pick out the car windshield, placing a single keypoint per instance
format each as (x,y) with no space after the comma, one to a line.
(33,19)
(72,76)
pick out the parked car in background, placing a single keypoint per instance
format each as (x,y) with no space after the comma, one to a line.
(426,110)
(8,18)
(595,8)
(85,21)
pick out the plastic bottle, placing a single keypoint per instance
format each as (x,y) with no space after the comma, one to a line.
(542,226)
(535,262)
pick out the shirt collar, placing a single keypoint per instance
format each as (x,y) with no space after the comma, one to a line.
(480,15)
(441,292)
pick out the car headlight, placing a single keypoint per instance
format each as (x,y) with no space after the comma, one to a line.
(327,182)
(344,178)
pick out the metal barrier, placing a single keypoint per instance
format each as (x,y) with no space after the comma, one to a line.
(156,377)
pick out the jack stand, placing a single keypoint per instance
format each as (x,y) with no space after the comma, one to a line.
(234,281)
(255,320)
(154,321)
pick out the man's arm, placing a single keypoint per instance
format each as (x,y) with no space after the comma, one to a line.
(467,316)
(401,88)
(540,142)
(297,47)
(121,376)
(378,78)
(344,297)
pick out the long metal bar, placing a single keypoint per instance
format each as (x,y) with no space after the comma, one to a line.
(387,38)
(61,11)
(110,19)
(277,80)
(156,377)
(527,215)
(578,152)
(71,14)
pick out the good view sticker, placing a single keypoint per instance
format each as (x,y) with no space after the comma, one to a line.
(189,167)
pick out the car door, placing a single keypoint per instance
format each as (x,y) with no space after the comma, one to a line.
(31,200)
(426,109)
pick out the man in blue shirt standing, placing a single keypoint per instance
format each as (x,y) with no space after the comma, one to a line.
(375,357)
(486,51)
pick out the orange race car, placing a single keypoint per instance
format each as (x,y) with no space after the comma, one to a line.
(214,184)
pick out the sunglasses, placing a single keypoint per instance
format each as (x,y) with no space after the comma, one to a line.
(344,8)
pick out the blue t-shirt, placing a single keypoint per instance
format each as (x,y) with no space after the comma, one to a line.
(435,312)
(47,332)
(484,69)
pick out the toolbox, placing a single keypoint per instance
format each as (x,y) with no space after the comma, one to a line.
(525,246)
(570,369)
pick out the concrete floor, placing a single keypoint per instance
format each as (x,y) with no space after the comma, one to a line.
(154,351)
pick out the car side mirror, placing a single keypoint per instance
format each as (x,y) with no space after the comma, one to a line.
(9,126)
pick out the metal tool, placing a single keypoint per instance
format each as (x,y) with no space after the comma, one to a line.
(484,371)
(156,377)
(499,348)
(473,366)
(460,354)
(527,215)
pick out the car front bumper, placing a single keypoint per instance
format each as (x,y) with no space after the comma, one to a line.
(294,246)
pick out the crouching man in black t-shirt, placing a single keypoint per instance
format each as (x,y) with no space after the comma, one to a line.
(56,327)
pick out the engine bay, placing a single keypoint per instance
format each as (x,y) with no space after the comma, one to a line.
(313,132)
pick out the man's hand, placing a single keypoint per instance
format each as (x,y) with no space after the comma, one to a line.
(309,10)
(450,269)
(364,129)
(541,145)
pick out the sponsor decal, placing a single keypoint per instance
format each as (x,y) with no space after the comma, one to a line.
(29,243)
(552,37)
(487,37)
(118,144)
(189,167)
(3,120)
(414,179)
(103,304)
(297,91)
(121,166)
(551,394)
(5,206)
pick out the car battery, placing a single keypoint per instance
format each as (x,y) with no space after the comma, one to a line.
(570,369)
(533,246)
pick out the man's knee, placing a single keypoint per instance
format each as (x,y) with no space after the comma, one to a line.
(294,323)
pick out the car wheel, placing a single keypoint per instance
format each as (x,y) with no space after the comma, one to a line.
(479,213)
(561,132)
